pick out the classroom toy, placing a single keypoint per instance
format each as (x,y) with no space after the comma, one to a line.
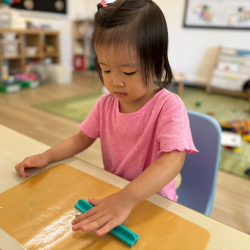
(8,79)
(8,84)
(231,140)
(198,104)
(30,84)
(210,113)
(246,88)
(246,85)
(246,138)
(247,172)
(28,80)
(236,150)
(9,88)
(26,77)
(241,127)
(121,232)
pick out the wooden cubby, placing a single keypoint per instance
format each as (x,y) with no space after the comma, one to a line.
(31,38)
(82,33)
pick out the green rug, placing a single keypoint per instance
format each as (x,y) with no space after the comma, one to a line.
(224,108)
(75,108)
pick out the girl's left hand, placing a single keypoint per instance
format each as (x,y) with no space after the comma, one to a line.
(107,213)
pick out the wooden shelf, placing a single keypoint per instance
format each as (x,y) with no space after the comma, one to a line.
(10,57)
(26,31)
(82,47)
(228,92)
(32,56)
(80,38)
(230,72)
(32,38)
(54,54)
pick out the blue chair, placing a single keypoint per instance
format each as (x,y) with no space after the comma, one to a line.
(199,173)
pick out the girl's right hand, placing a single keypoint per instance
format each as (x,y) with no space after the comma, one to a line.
(35,161)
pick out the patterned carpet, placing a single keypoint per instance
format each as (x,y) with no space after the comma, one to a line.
(223,108)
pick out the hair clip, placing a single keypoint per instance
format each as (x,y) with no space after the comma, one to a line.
(103,3)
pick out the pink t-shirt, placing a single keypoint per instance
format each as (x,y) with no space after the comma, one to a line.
(132,142)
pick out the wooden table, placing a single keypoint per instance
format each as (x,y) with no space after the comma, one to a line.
(14,147)
(179,78)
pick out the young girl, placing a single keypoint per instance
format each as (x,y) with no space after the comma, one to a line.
(144,129)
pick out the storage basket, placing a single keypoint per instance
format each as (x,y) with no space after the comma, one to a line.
(10,48)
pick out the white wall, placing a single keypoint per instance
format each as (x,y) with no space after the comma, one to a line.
(192,51)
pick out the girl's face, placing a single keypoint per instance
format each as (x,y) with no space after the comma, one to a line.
(122,76)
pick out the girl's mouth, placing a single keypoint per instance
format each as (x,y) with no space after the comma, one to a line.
(120,94)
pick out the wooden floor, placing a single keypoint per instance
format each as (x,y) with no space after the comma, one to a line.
(232,198)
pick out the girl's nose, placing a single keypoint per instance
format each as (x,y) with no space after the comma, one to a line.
(117,82)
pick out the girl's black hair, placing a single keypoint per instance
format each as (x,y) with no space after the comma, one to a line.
(139,23)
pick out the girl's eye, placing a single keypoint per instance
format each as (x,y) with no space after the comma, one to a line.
(106,71)
(130,74)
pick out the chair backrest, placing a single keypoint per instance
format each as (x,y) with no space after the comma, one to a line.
(199,173)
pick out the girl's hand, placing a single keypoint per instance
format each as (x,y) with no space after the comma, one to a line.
(35,161)
(108,213)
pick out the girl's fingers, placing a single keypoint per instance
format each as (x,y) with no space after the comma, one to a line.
(26,174)
(33,163)
(28,163)
(17,168)
(87,221)
(109,226)
(95,202)
(84,216)
(96,224)
(20,170)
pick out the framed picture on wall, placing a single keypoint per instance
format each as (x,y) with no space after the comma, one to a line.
(217,14)
(49,6)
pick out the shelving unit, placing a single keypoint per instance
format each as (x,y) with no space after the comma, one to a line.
(83,52)
(231,71)
(41,39)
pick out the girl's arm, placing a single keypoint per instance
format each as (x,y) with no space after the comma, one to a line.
(114,209)
(67,148)
(156,176)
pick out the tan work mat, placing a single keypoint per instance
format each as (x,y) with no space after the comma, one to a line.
(39,211)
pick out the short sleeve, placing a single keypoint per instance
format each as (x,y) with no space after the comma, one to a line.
(173,129)
(91,125)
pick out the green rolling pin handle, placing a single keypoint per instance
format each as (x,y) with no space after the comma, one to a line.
(121,232)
